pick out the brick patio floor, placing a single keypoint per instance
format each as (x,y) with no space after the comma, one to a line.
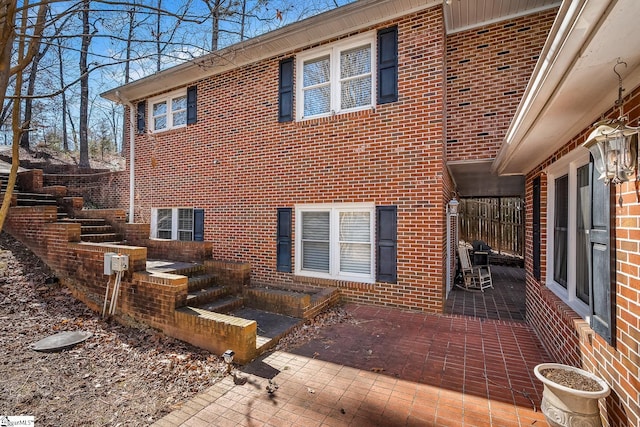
(386,367)
(505,301)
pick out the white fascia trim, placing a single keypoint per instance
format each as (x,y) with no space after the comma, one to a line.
(362,14)
(561,31)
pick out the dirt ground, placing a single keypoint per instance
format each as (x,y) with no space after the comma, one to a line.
(121,376)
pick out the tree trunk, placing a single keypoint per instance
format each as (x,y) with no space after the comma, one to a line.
(158,42)
(84,87)
(127,71)
(25,140)
(65,136)
(215,24)
(242,19)
(8,37)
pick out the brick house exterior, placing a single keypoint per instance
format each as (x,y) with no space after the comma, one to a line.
(241,165)
(497,108)
(582,291)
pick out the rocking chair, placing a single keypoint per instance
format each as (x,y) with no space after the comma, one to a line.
(476,277)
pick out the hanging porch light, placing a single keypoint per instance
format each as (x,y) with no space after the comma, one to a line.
(613,144)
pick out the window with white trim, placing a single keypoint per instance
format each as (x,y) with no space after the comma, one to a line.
(172,223)
(568,213)
(336,241)
(168,111)
(336,78)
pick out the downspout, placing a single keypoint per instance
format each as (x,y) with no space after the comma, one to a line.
(132,151)
(452,242)
(448,281)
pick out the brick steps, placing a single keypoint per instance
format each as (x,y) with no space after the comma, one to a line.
(224,305)
(101,238)
(201,281)
(21,198)
(35,199)
(203,296)
(95,230)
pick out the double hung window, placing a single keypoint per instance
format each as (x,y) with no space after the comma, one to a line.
(581,259)
(569,207)
(336,241)
(173,223)
(169,111)
(337,78)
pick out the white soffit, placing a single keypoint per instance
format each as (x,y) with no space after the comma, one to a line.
(474,179)
(462,15)
(573,83)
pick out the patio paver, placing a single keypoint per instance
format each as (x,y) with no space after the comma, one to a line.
(388,367)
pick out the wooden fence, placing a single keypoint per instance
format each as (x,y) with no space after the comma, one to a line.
(498,221)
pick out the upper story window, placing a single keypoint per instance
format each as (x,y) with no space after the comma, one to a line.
(336,78)
(169,111)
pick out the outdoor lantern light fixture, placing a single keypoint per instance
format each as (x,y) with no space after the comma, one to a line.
(228,358)
(453,207)
(613,144)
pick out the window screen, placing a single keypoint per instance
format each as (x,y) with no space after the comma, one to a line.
(185,224)
(164,223)
(355,77)
(315,241)
(317,86)
(561,221)
(355,245)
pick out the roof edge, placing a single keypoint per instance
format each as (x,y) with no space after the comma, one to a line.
(546,77)
(298,35)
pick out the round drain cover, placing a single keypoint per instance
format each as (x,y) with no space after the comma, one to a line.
(61,340)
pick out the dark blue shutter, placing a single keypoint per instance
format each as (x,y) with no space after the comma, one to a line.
(285,91)
(192,104)
(284,240)
(602,269)
(141,116)
(388,65)
(386,243)
(536,228)
(198,225)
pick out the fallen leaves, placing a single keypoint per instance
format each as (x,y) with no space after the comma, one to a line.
(120,376)
(312,328)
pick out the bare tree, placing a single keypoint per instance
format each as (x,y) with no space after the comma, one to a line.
(63,95)
(25,141)
(214,7)
(84,86)
(28,47)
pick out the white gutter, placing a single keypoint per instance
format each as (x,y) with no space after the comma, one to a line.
(565,21)
(132,152)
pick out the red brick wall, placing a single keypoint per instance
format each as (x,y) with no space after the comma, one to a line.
(240,165)
(567,337)
(101,189)
(488,69)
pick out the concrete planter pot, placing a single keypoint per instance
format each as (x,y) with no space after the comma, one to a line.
(563,406)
